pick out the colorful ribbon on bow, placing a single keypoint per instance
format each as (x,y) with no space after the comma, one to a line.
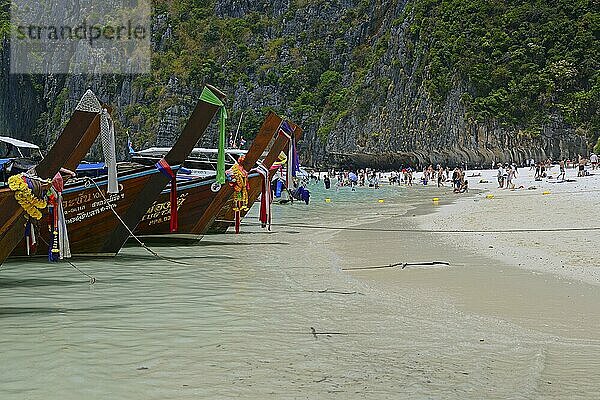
(164,167)
(208,96)
(59,247)
(266,198)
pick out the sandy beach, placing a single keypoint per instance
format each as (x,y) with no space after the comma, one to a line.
(533,295)
(550,206)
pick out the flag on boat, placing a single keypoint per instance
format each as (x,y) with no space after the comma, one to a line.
(208,96)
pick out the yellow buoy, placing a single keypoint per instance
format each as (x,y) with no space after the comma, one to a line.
(380,200)
(546,192)
(328,200)
(489,196)
(436,199)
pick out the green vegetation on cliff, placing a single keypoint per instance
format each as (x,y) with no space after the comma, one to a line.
(518,62)
(521,60)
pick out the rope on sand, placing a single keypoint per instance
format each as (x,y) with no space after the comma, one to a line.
(332,292)
(400,264)
(143,245)
(409,230)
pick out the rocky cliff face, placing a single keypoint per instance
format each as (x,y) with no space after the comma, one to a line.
(346,70)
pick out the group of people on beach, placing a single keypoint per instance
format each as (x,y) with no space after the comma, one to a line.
(542,168)
(506,175)
(440,175)
(362,177)
(403,176)
(583,162)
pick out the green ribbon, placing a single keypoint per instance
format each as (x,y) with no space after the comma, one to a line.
(209,97)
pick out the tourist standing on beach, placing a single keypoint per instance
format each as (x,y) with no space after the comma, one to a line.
(511,174)
(582,162)
(327,182)
(500,176)
(456,178)
(440,176)
(594,160)
(561,166)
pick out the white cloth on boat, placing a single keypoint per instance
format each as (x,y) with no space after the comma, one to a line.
(107,132)
(63,235)
(90,103)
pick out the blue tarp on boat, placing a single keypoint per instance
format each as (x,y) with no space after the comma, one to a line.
(91,166)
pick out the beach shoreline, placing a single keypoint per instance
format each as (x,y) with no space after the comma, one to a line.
(555,208)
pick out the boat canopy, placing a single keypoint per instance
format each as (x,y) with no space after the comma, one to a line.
(195,152)
(18,143)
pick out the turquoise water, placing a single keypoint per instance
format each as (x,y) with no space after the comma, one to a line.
(232,318)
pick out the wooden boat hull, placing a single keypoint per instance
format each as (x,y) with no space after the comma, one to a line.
(225,194)
(194,129)
(90,221)
(195,197)
(92,227)
(72,145)
(226,217)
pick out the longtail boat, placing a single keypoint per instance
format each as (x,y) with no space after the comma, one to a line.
(71,146)
(98,222)
(196,195)
(226,217)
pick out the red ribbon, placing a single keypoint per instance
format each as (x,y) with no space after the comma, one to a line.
(174,217)
(164,167)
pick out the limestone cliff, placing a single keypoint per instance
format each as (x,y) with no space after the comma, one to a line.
(364,78)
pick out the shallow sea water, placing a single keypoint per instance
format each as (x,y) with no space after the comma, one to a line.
(235,321)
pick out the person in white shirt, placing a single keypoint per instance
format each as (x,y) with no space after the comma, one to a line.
(594,160)
(500,176)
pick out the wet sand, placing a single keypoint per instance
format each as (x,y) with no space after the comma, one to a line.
(526,286)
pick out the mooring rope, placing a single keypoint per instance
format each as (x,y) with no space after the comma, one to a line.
(90,277)
(142,244)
